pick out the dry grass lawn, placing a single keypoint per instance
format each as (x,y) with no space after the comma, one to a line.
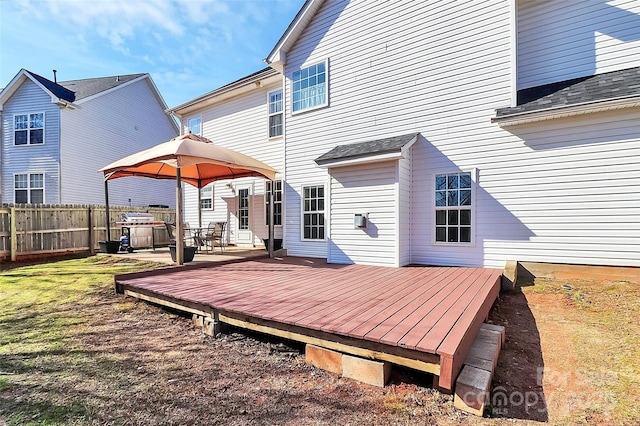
(74,353)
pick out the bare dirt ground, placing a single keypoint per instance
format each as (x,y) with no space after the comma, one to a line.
(131,363)
(572,351)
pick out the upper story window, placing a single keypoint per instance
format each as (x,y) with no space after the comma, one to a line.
(206,197)
(313,212)
(453,207)
(275,113)
(310,87)
(28,129)
(193,126)
(29,188)
(277,202)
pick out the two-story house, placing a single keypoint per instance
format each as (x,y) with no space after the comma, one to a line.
(56,135)
(246,116)
(449,133)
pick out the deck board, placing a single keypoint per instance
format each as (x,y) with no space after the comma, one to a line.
(428,310)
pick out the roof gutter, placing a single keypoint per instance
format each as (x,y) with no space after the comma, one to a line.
(66,104)
(365,159)
(567,111)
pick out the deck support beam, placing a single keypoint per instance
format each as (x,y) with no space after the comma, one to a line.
(429,363)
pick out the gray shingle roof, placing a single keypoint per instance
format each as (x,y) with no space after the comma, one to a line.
(91,86)
(366,149)
(57,89)
(600,87)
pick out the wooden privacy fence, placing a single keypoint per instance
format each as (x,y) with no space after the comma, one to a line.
(28,231)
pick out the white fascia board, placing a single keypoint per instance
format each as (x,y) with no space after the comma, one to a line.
(566,111)
(361,160)
(408,146)
(160,99)
(13,85)
(293,31)
(64,104)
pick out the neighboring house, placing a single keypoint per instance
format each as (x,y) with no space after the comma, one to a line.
(464,133)
(56,135)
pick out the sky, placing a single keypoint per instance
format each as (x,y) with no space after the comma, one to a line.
(189,47)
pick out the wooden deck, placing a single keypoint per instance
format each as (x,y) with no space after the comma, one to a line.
(420,317)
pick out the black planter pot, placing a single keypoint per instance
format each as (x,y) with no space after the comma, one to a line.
(109,246)
(277,244)
(188,252)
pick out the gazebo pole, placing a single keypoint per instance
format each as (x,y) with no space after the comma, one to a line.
(271,216)
(106,205)
(179,222)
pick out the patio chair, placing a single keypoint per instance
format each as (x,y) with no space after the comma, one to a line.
(215,234)
(171,230)
(187,235)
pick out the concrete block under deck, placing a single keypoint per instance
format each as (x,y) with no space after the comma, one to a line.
(374,373)
(474,382)
(325,359)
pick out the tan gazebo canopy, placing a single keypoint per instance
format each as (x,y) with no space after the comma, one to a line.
(189,158)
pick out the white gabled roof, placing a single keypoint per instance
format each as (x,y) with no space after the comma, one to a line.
(278,55)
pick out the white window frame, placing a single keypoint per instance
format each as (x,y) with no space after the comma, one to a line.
(472,207)
(197,117)
(204,196)
(326,88)
(29,188)
(276,200)
(317,211)
(28,129)
(274,114)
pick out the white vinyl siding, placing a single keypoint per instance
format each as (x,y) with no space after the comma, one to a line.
(404,235)
(443,78)
(370,190)
(105,129)
(563,39)
(561,191)
(43,158)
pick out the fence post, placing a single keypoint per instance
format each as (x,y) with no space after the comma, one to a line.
(92,236)
(14,235)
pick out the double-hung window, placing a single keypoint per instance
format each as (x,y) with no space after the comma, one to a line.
(29,188)
(313,212)
(28,129)
(453,196)
(275,113)
(309,89)
(194,126)
(277,202)
(206,197)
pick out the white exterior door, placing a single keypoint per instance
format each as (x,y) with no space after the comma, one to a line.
(244,234)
